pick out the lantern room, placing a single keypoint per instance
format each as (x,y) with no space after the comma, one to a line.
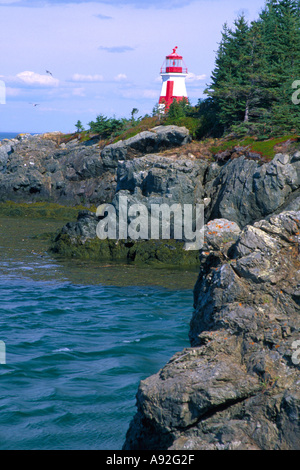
(174,63)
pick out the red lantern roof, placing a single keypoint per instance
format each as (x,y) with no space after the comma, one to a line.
(174,54)
(173,63)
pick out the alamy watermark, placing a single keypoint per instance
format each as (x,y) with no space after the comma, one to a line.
(296,353)
(2,92)
(2,353)
(156,221)
(296,94)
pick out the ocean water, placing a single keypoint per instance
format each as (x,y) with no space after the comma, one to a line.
(8,135)
(79,337)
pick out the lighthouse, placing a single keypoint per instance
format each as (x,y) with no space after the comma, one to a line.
(173,73)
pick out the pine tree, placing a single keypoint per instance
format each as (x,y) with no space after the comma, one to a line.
(79,126)
(231,84)
(255,68)
(282,20)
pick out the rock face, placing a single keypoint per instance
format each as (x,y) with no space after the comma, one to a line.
(152,179)
(242,189)
(245,191)
(178,180)
(38,168)
(78,240)
(157,139)
(237,386)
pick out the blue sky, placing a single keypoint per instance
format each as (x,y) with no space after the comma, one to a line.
(104,56)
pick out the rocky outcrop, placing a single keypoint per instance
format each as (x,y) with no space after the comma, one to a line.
(39,168)
(175,179)
(78,240)
(241,189)
(156,140)
(244,190)
(237,386)
(152,179)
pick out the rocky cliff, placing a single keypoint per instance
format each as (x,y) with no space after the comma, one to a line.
(237,386)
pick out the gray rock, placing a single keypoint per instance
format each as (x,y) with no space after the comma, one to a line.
(5,150)
(245,191)
(178,180)
(158,139)
(237,386)
(39,168)
(84,228)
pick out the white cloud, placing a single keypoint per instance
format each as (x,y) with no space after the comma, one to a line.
(120,77)
(35,79)
(77,77)
(192,77)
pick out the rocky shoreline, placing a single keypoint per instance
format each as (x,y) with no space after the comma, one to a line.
(237,386)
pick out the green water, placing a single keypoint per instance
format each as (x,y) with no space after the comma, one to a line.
(79,337)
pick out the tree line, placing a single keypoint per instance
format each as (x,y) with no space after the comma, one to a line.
(256,69)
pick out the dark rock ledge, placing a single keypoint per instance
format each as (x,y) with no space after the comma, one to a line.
(237,386)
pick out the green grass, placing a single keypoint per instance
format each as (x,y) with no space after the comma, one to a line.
(265,148)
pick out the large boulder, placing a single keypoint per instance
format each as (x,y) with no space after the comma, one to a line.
(79,240)
(156,140)
(149,180)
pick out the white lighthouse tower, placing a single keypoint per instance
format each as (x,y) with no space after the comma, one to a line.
(173,73)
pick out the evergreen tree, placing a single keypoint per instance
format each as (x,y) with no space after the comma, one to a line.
(106,126)
(255,68)
(79,126)
(282,38)
(177,110)
(231,84)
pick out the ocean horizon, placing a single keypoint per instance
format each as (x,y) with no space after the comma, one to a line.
(12,135)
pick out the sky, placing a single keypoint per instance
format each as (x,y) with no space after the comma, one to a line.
(70,60)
